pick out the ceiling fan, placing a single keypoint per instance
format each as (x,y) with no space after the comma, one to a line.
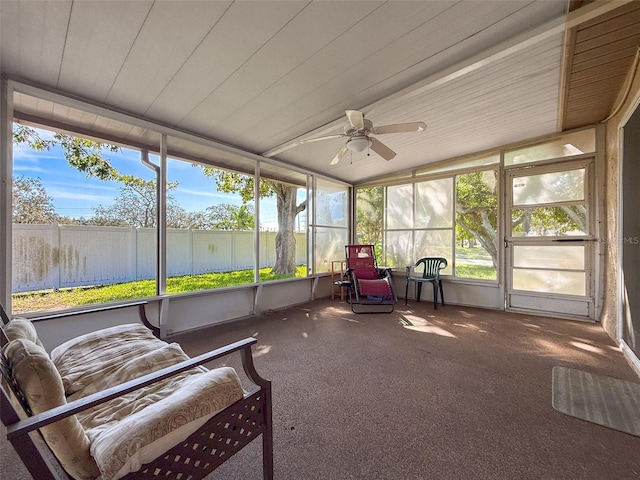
(359,132)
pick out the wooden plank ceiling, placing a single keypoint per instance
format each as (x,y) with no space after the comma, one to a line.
(602,51)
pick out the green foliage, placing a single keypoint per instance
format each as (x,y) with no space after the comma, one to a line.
(550,220)
(226,216)
(477,210)
(369,217)
(83,154)
(232,182)
(286,201)
(28,135)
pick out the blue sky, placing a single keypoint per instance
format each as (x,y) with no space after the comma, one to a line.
(74,195)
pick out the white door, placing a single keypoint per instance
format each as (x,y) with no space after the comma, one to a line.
(548,239)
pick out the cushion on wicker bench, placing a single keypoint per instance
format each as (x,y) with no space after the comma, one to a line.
(107,349)
(22,328)
(140,437)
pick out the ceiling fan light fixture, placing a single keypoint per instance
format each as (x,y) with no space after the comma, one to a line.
(359,144)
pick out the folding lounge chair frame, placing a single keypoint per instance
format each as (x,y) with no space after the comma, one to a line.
(370,285)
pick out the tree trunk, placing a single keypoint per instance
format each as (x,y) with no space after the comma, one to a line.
(285,238)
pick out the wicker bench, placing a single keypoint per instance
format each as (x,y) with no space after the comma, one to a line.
(226,417)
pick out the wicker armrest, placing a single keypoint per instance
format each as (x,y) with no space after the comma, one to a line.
(27,425)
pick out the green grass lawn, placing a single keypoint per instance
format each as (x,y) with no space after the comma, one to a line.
(471,269)
(71,297)
(481,272)
(475,253)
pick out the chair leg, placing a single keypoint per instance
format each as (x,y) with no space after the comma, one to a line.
(419,287)
(435,295)
(441,292)
(406,292)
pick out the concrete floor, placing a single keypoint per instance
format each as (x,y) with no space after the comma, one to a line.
(453,393)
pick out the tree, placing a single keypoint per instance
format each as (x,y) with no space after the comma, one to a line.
(178,217)
(31,203)
(369,217)
(477,209)
(287,210)
(551,220)
(87,156)
(462,234)
(136,205)
(83,154)
(226,216)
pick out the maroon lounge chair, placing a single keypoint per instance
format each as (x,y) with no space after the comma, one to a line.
(369,284)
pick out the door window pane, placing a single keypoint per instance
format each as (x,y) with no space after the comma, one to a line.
(545,268)
(552,187)
(570,257)
(549,281)
(549,221)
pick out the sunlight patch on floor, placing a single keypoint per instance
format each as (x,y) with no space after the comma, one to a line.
(418,324)
(262,350)
(587,347)
(551,347)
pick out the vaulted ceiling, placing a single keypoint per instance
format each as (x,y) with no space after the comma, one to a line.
(261,76)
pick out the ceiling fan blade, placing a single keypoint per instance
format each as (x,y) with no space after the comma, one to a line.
(356,119)
(339,155)
(400,128)
(381,149)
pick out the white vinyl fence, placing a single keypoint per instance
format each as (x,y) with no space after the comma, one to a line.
(59,256)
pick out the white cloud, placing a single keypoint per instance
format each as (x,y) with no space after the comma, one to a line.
(204,193)
(27,168)
(75,195)
(95,185)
